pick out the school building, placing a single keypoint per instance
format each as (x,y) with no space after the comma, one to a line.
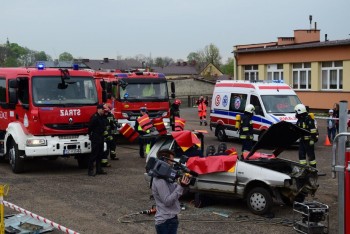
(318,71)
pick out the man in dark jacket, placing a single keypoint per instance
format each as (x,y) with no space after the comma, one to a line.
(96,129)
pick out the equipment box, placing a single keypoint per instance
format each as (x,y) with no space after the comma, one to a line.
(310,217)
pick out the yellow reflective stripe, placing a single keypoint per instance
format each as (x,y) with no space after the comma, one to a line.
(313,162)
(250,121)
(302,162)
(313,130)
(104,161)
(245,129)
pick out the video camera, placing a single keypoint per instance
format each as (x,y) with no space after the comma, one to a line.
(161,169)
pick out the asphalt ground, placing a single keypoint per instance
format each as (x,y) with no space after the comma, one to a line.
(61,192)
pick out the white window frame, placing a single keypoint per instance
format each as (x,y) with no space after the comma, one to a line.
(275,72)
(302,67)
(334,69)
(251,72)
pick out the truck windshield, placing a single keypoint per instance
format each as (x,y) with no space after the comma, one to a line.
(280,103)
(76,91)
(145,92)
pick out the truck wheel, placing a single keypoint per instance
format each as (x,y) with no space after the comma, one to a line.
(220,134)
(16,162)
(259,201)
(83,161)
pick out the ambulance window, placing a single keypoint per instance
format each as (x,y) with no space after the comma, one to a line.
(2,90)
(254,100)
(237,102)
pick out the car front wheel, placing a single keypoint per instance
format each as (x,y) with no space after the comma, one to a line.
(259,201)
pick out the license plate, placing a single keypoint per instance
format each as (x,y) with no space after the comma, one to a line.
(71,151)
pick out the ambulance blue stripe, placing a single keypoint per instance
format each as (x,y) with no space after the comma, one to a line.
(277,120)
(233,114)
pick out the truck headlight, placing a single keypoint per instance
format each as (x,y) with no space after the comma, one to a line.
(164,114)
(36,142)
(125,115)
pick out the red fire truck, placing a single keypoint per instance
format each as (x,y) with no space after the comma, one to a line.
(44,112)
(128,92)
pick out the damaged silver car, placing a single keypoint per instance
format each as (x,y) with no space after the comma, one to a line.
(258,178)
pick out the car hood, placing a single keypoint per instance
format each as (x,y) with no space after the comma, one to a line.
(278,137)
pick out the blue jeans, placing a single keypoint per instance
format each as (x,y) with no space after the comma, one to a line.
(331,134)
(168,227)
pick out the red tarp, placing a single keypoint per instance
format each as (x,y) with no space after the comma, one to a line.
(186,139)
(212,164)
(179,124)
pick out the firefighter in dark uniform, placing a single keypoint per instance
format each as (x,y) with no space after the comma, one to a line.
(307,142)
(96,128)
(246,128)
(109,135)
(174,112)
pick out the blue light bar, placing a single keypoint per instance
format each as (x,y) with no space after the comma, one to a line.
(40,66)
(75,67)
(122,75)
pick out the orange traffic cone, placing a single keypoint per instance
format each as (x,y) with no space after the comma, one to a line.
(327,142)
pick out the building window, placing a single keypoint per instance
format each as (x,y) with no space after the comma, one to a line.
(251,72)
(302,76)
(332,75)
(275,72)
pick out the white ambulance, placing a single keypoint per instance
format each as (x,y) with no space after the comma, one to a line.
(273,102)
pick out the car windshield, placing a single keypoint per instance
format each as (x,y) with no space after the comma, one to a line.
(145,91)
(50,91)
(280,103)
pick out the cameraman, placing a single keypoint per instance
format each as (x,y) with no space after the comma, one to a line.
(166,195)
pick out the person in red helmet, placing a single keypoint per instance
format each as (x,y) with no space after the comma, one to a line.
(174,112)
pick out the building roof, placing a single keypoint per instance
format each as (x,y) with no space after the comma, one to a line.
(175,69)
(275,47)
(111,64)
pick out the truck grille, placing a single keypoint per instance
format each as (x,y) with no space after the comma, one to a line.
(74,126)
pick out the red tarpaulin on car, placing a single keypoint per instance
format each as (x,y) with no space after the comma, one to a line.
(212,164)
(186,139)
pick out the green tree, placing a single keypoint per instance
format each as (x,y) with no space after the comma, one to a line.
(228,67)
(159,62)
(65,56)
(212,55)
(42,56)
(196,57)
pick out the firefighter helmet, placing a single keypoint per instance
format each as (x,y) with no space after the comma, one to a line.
(300,109)
(178,102)
(249,108)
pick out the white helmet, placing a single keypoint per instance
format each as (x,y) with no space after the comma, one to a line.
(300,109)
(249,108)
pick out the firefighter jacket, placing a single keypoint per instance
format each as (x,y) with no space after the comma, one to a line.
(246,127)
(307,123)
(96,128)
(111,127)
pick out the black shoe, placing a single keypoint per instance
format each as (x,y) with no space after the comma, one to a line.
(142,156)
(114,158)
(91,173)
(200,123)
(205,123)
(101,172)
(106,165)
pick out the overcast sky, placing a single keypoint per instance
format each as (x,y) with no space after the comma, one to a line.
(97,29)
